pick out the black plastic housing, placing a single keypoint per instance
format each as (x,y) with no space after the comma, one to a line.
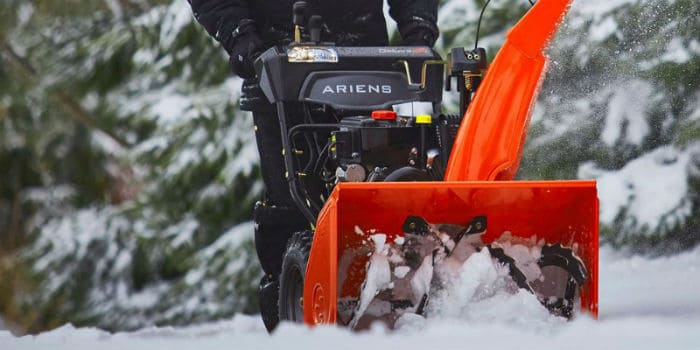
(357,68)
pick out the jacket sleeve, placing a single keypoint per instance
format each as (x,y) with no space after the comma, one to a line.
(415,15)
(221,18)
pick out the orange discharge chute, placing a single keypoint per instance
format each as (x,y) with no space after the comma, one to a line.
(491,138)
(487,149)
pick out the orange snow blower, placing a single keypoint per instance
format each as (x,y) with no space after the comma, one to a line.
(397,199)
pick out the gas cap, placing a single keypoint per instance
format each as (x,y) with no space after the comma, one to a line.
(353,173)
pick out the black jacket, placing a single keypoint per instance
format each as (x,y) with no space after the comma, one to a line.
(349,22)
(247,27)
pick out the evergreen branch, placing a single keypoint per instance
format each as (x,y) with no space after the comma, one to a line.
(74,109)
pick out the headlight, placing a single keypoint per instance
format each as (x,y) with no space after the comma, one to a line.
(312,54)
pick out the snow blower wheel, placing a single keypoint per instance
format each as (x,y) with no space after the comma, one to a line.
(268,292)
(292,277)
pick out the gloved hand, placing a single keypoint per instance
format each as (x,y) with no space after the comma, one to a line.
(418,32)
(418,37)
(244,46)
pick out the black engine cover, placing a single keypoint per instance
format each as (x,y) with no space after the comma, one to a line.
(348,90)
(362,78)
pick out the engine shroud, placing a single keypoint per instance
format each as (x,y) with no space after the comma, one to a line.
(325,96)
(362,78)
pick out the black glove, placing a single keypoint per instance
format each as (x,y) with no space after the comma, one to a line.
(418,32)
(243,46)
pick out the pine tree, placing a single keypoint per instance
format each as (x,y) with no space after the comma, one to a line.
(620,104)
(152,170)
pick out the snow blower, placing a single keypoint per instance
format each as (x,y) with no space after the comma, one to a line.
(396,200)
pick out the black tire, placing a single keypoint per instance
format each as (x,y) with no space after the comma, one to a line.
(292,277)
(268,292)
(407,174)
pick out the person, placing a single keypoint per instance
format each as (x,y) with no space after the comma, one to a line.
(246,28)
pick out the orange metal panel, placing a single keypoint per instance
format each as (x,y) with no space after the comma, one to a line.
(320,291)
(563,212)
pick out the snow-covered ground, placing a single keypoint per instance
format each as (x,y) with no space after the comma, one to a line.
(644,304)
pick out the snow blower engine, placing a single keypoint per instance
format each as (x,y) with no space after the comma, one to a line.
(394,197)
(336,105)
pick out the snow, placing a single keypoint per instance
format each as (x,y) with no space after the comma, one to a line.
(182,232)
(525,256)
(627,113)
(479,294)
(644,304)
(603,30)
(106,143)
(234,237)
(99,238)
(456,274)
(454,14)
(637,287)
(651,189)
(401,271)
(56,193)
(596,9)
(694,113)
(24,14)
(115,8)
(391,25)
(178,15)
(378,276)
(420,283)
(676,52)
(61,237)
(170,106)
